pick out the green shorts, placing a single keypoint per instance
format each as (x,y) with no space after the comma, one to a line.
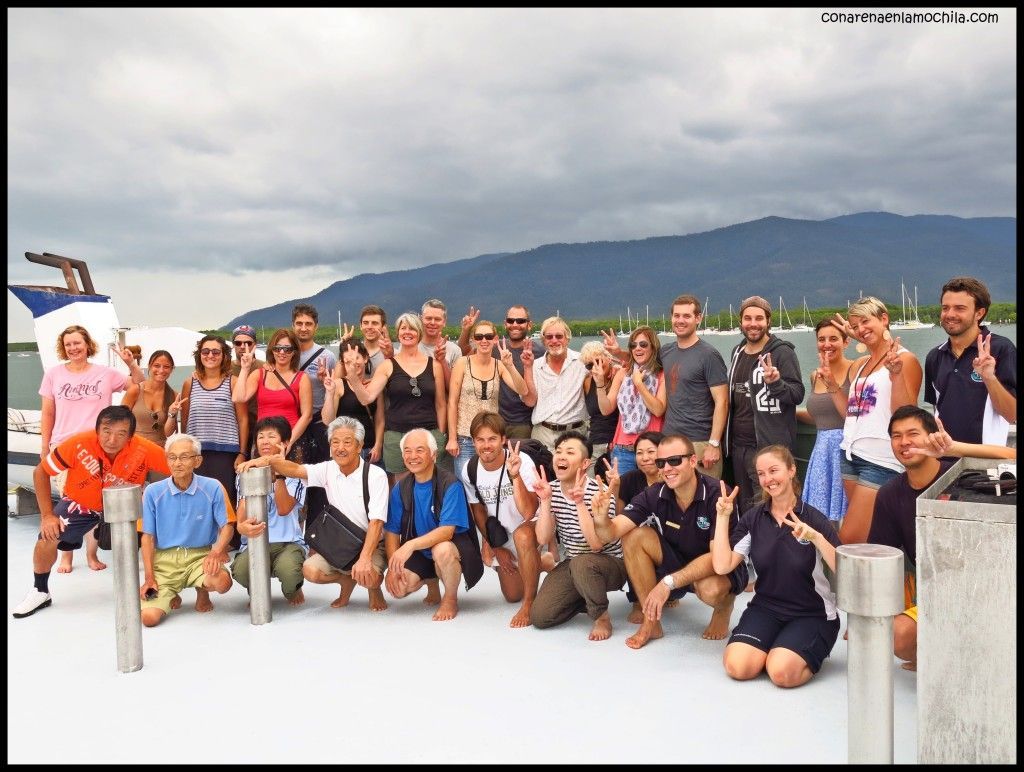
(175,569)
(393,462)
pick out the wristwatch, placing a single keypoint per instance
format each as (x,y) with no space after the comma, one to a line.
(715,443)
(669,581)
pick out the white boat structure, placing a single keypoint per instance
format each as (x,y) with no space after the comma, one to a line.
(805,324)
(730,330)
(911,321)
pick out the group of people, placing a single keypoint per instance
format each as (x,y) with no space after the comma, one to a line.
(600,469)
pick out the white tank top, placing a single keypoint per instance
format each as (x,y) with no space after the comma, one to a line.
(868,410)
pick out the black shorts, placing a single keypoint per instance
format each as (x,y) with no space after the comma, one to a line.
(77,523)
(421,565)
(671,562)
(812,638)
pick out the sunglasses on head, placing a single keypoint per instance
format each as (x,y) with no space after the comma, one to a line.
(516,320)
(640,344)
(484,336)
(284,349)
(661,463)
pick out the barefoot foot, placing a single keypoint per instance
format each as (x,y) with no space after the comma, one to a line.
(718,627)
(433,593)
(377,602)
(638,639)
(602,629)
(297,598)
(522,617)
(176,602)
(636,615)
(909,666)
(347,585)
(203,602)
(96,564)
(447,610)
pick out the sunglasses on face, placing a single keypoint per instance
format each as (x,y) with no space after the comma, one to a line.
(243,343)
(284,349)
(661,463)
(516,320)
(554,336)
(588,365)
(484,336)
(210,352)
(639,344)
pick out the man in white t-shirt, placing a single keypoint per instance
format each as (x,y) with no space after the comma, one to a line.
(499,483)
(360,494)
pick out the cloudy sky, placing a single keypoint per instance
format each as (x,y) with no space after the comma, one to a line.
(205,162)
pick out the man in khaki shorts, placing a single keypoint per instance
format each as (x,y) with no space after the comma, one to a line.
(187,525)
(359,492)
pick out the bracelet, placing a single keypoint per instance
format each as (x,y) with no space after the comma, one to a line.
(279,477)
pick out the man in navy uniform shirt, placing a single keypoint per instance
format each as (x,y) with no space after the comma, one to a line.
(971,379)
(673,556)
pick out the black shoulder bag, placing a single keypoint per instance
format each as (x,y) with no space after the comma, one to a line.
(336,537)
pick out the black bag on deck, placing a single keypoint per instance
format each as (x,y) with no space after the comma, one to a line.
(336,537)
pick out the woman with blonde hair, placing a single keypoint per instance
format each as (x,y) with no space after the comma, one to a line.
(473,388)
(639,392)
(413,386)
(887,377)
(602,427)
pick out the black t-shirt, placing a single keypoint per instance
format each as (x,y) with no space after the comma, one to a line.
(741,414)
(893,522)
(631,485)
(602,427)
(349,405)
(510,404)
(689,533)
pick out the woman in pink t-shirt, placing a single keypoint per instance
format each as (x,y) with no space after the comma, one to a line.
(73,394)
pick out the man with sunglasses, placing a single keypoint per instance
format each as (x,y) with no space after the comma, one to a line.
(243,341)
(554,386)
(765,389)
(673,556)
(105,457)
(525,350)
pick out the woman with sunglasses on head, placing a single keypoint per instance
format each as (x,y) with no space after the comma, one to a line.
(638,391)
(151,399)
(341,401)
(473,389)
(73,393)
(602,427)
(280,388)
(208,414)
(887,377)
(413,387)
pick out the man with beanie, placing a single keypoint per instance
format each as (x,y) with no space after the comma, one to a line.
(765,389)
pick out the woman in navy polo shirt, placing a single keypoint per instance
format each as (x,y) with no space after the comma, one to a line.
(791,624)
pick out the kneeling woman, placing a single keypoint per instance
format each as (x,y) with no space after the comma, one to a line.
(287,548)
(791,624)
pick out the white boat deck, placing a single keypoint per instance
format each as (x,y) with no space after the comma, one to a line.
(322,685)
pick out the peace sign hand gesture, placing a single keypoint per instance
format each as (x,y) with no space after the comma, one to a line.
(514,462)
(321,369)
(542,487)
(937,444)
(801,530)
(328,381)
(985,364)
(770,372)
(845,326)
(527,356)
(601,502)
(824,373)
(892,360)
(441,349)
(505,353)
(727,501)
(580,488)
(611,342)
(350,359)
(387,348)
(614,480)
(470,318)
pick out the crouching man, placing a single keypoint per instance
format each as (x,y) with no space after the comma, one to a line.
(428,534)
(187,524)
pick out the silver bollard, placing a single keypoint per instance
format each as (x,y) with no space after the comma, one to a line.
(869,588)
(256,485)
(122,507)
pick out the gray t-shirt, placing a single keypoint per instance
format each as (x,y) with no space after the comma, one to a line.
(689,375)
(451,352)
(510,404)
(311,371)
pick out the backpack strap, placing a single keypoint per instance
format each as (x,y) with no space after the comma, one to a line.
(312,359)
(366,487)
(288,388)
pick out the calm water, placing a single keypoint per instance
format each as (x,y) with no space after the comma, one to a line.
(24,371)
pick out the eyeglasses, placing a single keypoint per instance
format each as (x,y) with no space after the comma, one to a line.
(640,344)
(554,336)
(210,352)
(516,320)
(415,384)
(283,349)
(184,458)
(484,336)
(244,343)
(661,463)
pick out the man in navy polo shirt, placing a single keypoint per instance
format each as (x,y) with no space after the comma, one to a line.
(677,549)
(971,379)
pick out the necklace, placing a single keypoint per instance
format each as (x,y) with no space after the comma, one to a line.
(863,384)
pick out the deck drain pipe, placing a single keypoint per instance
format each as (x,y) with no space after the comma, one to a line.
(122,507)
(257,484)
(869,588)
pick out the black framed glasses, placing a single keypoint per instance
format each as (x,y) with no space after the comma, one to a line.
(661,463)
(516,320)
(485,336)
(415,386)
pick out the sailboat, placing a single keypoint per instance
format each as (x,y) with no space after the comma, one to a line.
(804,325)
(337,340)
(911,322)
(731,330)
(783,315)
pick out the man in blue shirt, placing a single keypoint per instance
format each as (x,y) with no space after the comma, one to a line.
(428,535)
(187,524)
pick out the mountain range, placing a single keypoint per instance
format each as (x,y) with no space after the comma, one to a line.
(827,261)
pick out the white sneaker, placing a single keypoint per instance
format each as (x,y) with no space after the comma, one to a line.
(34,601)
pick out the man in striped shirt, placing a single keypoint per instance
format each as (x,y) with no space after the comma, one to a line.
(591,569)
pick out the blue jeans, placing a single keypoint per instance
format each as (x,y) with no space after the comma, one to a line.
(466,451)
(625,457)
